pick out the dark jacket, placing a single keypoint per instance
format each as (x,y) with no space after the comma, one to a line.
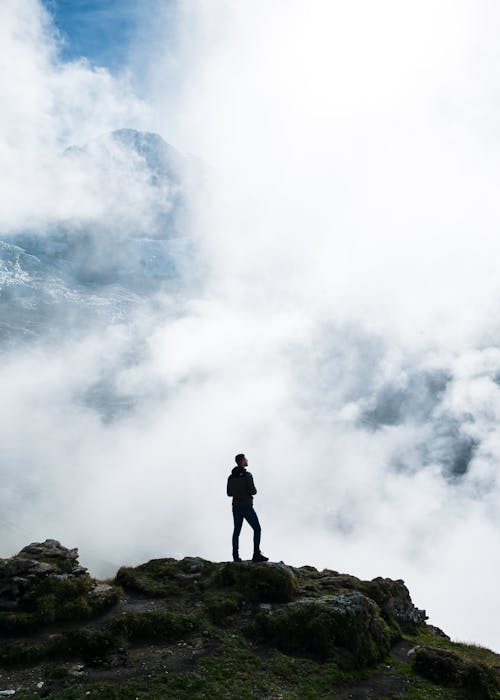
(241,487)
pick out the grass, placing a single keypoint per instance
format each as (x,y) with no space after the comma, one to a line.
(240,671)
(56,600)
(300,651)
(91,644)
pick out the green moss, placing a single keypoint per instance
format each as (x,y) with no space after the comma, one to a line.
(347,627)
(16,622)
(20,653)
(56,600)
(89,644)
(221,606)
(62,589)
(156,578)
(130,628)
(258,582)
(237,672)
(448,668)
(154,627)
(55,672)
(102,602)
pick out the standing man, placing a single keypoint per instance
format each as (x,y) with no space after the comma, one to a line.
(241,487)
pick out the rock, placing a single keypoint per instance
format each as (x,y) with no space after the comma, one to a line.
(44,583)
(447,668)
(394,600)
(52,553)
(34,564)
(196,564)
(437,632)
(20,566)
(266,583)
(325,625)
(188,577)
(101,589)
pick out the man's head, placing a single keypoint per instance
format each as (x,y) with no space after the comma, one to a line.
(241,460)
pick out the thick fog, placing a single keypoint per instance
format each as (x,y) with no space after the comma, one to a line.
(307,273)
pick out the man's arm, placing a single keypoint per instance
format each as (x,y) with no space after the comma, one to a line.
(229,490)
(251,485)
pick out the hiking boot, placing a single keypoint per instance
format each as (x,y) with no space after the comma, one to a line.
(236,558)
(259,557)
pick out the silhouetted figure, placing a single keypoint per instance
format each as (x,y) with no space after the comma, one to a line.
(241,487)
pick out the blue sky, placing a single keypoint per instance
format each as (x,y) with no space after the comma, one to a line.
(100,30)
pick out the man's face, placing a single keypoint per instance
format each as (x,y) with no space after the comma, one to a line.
(244,462)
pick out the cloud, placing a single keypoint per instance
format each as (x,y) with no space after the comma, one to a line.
(355,165)
(49,105)
(336,322)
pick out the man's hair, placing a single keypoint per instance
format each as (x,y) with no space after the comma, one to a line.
(239,459)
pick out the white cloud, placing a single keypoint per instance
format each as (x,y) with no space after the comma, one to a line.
(345,336)
(48,105)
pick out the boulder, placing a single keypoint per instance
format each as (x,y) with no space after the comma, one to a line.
(395,603)
(53,553)
(268,582)
(347,626)
(44,583)
(476,679)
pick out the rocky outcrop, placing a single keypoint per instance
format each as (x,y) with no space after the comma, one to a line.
(32,565)
(274,582)
(348,626)
(475,678)
(43,583)
(394,600)
(269,629)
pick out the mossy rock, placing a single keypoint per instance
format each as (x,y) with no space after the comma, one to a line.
(393,598)
(270,582)
(329,627)
(57,599)
(161,578)
(479,681)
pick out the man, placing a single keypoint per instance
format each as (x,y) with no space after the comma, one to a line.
(242,489)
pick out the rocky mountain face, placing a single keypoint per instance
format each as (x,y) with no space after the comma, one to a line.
(197,629)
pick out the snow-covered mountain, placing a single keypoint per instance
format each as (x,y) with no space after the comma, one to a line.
(125,241)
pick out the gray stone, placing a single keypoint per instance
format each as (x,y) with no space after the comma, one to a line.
(20,566)
(33,564)
(100,590)
(196,564)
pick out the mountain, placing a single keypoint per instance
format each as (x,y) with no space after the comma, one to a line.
(124,241)
(198,629)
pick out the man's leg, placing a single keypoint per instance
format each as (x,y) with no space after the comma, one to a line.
(238,522)
(253,521)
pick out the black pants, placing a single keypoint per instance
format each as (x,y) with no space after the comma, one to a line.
(247,513)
